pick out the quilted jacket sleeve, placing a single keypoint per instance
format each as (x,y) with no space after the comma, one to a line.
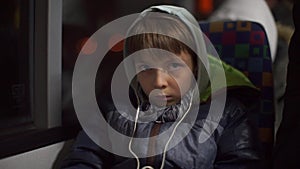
(238,146)
(85,154)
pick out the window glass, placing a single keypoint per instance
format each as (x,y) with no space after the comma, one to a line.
(16,28)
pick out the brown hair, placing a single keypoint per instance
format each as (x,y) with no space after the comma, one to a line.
(151,31)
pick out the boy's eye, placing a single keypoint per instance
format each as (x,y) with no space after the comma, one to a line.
(142,67)
(174,66)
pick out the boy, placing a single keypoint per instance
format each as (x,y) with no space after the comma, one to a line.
(166,52)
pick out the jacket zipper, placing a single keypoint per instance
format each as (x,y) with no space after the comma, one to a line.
(152,144)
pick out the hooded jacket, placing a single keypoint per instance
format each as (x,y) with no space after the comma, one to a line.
(201,140)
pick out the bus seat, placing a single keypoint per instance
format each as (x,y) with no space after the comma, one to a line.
(244,45)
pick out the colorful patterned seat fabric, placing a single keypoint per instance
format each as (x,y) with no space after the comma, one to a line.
(244,45)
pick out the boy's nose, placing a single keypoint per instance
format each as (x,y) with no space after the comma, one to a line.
(160,79)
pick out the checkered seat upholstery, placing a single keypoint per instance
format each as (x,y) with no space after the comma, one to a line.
(244,45)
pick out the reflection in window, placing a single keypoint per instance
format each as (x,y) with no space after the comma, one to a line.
(16,28)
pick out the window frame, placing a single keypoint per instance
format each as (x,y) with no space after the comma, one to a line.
(46,84)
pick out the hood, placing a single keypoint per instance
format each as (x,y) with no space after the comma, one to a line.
(199,44)
(235,80)
(251,10)
(213,74)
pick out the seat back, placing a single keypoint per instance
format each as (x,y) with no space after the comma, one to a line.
(244,45)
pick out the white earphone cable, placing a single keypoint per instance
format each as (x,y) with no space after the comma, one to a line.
(134,129)
(168,142)
(173,132)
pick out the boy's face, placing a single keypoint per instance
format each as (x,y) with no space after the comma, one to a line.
(164,79)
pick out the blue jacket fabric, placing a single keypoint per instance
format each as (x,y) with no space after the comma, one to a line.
(233,145)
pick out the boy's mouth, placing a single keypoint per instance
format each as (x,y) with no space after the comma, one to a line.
(163,97)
